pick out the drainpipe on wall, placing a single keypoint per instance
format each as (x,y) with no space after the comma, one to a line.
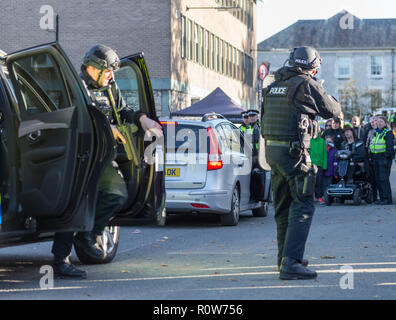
(393,78)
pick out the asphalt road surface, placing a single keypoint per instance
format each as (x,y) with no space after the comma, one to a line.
(353,249)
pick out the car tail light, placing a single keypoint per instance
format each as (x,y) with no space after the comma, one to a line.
(167,123)
(215,160)
(199,206)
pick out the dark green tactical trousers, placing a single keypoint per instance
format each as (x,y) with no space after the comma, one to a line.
(111,197)
(293,207)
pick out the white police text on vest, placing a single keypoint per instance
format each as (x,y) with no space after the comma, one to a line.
(278,90)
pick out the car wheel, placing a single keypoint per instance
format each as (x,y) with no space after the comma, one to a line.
(232,218)
(108,242)
(370,196)
(261,211)
(357,197)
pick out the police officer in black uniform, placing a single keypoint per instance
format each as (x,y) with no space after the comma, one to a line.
(289,107)
(98,68)
(255,130)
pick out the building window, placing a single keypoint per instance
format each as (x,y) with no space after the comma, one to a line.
(221,61)
(183,37)
(238,69)
(344,67)
(243,11)
(226,58)
(201,45)
(234,73)
(189,42)
(247,69)
(196,43)
(216,66)
(230,61)
(249,16)
(376,66)
(206,49)
(211,44)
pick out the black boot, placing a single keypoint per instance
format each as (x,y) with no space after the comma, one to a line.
(291,269)
(304,263)
(64,269)
(86,241)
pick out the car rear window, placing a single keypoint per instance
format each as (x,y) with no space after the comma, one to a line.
(186,138)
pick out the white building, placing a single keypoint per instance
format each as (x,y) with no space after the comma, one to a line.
(358,58)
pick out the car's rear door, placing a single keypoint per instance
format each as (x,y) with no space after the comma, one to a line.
(239,163)
(61,153)
(186,155)
(144,175)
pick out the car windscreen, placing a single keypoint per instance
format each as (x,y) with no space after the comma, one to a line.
(185,138)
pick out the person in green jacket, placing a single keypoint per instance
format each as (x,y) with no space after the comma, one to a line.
(318,154)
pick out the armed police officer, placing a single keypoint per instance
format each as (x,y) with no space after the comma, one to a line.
(97,69)
(290,105)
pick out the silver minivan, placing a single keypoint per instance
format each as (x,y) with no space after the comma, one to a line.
(208,169)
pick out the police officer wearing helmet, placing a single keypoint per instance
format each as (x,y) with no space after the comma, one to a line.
(289,107)
(98,68)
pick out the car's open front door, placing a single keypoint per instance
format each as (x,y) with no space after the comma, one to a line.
(145,175)
(61,151)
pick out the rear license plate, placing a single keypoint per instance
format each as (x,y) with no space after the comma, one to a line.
(172,172)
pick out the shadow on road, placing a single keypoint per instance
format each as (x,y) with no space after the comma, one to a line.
(194,220)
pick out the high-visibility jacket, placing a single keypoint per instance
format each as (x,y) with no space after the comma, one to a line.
(243,128)
(378,143)
(254,131)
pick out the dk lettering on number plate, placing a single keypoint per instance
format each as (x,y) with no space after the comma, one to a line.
(172,172)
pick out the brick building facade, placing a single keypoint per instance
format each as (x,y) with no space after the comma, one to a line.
(184,48)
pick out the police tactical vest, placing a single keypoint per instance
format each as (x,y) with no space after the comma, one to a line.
(101,98)
(280,116)
(102,102)
(378,144)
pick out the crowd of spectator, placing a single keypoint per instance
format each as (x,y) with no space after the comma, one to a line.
(372,147)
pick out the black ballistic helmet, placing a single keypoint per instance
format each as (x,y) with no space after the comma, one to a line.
(102,58)
(305,58)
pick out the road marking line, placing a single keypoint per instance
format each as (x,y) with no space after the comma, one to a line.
(374,270)
(266,287)
(311,265)
(211,253)
(38,289)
